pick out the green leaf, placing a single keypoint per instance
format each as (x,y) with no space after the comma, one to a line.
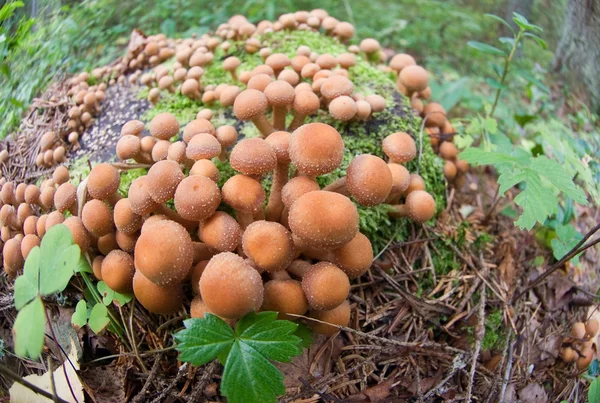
(495,84)
(559,177)
(83,265)
(249,377)
(79,318)
(109,296)
(594,391)
(537,39)
(485,48)
(203,340)
(523,23)
(566,238)
(28,329)
(272,338)
(59,257)
(529,77)
(501,20)
(26,285)
(98,318)
(305,334)
(490,125)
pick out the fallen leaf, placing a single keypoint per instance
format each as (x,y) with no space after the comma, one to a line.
(533,393)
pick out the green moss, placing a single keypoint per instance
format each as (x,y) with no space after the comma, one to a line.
(129,176)
(359,137)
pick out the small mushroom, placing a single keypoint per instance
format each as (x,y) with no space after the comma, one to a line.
(280,95)
(316,149)
(419,207)
(269,245)
(305,103)
(251,105)
(286,297)
(326,286)
(118,271)
(197,198)
(399,147)
(156,298)
(164,126)
(230,65)
(220,232)
(339,316)
(245,195)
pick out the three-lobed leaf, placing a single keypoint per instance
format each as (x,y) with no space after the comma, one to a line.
(246,353)
(109,296)
(98,318)
(80,316)
(58,261)
(28,329)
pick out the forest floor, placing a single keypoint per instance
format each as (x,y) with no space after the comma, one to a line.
(476,331)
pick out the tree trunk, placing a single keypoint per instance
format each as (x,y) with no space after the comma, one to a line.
(578,50)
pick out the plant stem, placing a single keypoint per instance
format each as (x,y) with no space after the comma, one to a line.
(507,62)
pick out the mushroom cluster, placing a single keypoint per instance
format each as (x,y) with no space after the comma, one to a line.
(580,346)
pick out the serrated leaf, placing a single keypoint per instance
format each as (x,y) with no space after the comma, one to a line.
(485,48)
(203,340)
(305,334)
(26,285)
(98,318)
(79,317)
(249,377)
(59,258)
(537,201)
(566,238)
(490,125)
(28,329)
(272,338)
(477,156)
(559,177)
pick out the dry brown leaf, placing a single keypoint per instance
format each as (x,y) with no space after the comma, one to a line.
(533,393)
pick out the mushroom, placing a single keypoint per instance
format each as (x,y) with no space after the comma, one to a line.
(269,245)
(226,135)
(245,195)
(197,198)
(339,316)
(434,115)
(13,260)
(399,147)
(415,183)
(316,149)
(259,82)
(197,126)
(305,103)
(414,78)
(191,89)
(61,175)
(205,168)
(277,61)
(231,64)
(65,198)
(377,102)
(162,180)
(164,126)
(96,217)
(355,257)
(368,179)
(326,286)
(336,86)
(343,108)
(322,219)
(53,219)
(125,219)
(103,183)
(29,242)
(286,297)
(229,94)
(370,47)
(280,95)
(419,207)
(253,156)
(203,146)
(126,241)
(118,271)
(400,61)
(251,105)
(280,143)
(221,232)
(164,253)
(231,288)
(155,298)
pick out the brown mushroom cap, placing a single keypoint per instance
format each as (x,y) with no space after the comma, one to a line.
(230,287)
(164,126)
(133,127)
(103,181)
(296,187)
(377,102)
(400,147)
(197,197)
(316,149)
(65,197)
(269,245)
(343,108)
(198,308)
(139,198)
(369,180)
(401,60)
(306,102)
(323,219)
(61,175)
(128,146)
(195,275)
(326,286)
(163,179)
(243,193)
(220,232)
(155,298)
(197,126)
(125,219)
(415,78)
(284,296)
(435,115)
(369,45)
(355,257)
(191,88)
(203,146)
(226,135)
(97,218)
(400,177)
(259,82)
(416,183)
(338,316)
(205,168)
(32,194)
(280,143)
(29,242)
(450,170)
(117,271)
(53,219)
(30,225)
(337,85)
(253,156)
(279,93)
(164,253)
(250,104)
(81,237)
(277,61)
(420,206)
(231,63)
(13,257)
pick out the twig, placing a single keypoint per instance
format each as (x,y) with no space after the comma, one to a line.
(480,333)
(140,396)
(60,355)
(508,369)
(16,378)
(576,250)
(133,342)
(180,374)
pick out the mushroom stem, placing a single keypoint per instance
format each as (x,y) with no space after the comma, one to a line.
(244,219)
(202,252)
(263,125)
(114,198)
(338,186)
(296,122)
(279,113)
(398,211)
(172,215)
(275,205)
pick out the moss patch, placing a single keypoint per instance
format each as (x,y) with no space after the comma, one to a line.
(359,137)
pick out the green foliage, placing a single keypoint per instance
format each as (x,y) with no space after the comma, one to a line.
(594,391)
(97,315)
(48,269)
(245,352)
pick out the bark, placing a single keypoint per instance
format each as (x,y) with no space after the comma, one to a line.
(578,50)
